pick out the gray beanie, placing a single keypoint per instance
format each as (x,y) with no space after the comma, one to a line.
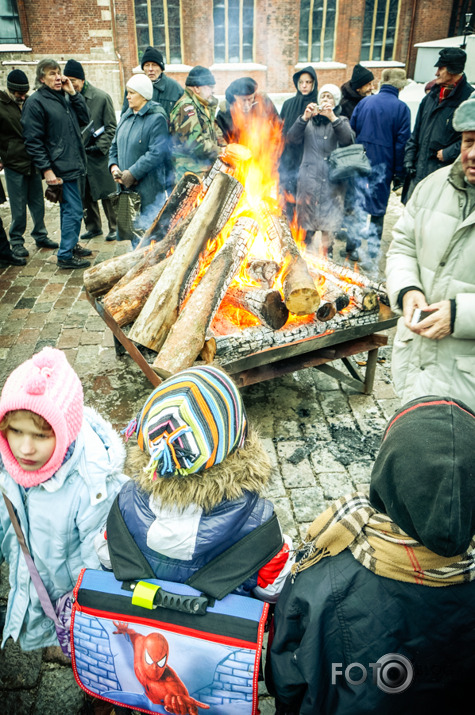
(464,117)
(17,81)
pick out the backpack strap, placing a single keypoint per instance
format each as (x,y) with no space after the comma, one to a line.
(240,561)
(218,577)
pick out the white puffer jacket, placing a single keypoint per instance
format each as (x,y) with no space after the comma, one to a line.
(433,248)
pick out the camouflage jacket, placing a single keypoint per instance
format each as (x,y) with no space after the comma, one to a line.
(196,138)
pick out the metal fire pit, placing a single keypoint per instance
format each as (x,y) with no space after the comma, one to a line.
(317,351)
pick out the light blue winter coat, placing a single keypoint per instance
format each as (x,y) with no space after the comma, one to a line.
(141,146)
(59,519)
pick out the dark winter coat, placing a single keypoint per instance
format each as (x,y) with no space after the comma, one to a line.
(13,153)
(433,130)
(102,112)
(263,107)
(349,99)
(166,91)
(338,612)
(319,202)
(382,123)
(141,146)
(291,110)
(51,122)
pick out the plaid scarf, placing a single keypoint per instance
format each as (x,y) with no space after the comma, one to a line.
(446,90)
(379,545)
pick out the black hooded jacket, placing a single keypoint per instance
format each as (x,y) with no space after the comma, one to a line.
(349,99)
(292,109)
(338,612)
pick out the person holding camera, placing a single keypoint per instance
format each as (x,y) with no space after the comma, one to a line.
(320,129)
(51,121)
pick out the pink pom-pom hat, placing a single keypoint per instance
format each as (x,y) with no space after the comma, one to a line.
(48,386)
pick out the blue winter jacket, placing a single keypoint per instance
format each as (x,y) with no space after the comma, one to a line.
(141,146)
(59,519)
(382,123)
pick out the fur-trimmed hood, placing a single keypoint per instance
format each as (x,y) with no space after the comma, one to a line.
(246,470)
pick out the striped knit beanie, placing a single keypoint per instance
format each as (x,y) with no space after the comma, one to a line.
(190,422)
(48,386)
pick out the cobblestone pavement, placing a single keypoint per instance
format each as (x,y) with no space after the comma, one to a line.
(321,435)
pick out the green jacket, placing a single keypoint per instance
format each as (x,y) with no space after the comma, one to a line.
(13,153)
(196,138)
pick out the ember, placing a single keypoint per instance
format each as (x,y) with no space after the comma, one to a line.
(228,276)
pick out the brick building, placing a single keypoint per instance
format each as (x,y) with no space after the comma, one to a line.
(265,39)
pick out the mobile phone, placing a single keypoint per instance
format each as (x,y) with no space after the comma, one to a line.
(419,315)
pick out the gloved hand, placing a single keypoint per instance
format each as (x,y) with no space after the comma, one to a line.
(410,169)
(398,182)
(127,179)
(93,150)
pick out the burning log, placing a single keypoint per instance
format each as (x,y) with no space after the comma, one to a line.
(100,279)
(126,302)
(334,301)
(161,308)
(179,204)
(186,338)
(300,294)
(263,272)
(266,305)
(366,299)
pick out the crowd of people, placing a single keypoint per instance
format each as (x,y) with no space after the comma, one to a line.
(382,582)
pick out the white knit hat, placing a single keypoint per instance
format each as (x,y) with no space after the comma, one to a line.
(333,89)
(141,84)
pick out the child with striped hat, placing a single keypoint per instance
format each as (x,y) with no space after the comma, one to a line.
(199,472)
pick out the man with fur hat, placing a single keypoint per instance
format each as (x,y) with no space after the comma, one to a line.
(99,182)
(359,86)
(196,138)
(199,473)
(382,123)
(378,614)
(166,91)
(430,267)
(24,185)
(434,141)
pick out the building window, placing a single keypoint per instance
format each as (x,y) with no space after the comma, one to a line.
(318,20)
(233,30)
(380,29)
(158,23)
(10,30)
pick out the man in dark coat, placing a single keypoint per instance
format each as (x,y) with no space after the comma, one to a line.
(51,122)
(378,614)
(23,179)
(166,91)
(99,182)
(434,143)
(357,88)
(382,123)
(306,84)
(244,102)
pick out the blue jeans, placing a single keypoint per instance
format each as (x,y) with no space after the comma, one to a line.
(70,212)
(25,190)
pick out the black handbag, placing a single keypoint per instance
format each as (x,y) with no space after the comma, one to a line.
(348,161)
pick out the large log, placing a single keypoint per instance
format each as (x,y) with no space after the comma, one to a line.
(266,304)
(161,309)
(100,279)
(300,294)
(125,303)
(186,338)
(262,271)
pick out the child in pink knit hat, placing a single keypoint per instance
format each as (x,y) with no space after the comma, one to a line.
(61,467)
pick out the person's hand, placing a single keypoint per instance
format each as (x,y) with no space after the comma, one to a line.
(67,85)
(410,169)
(93,150)
(412,299)
(1,166)
(440,155)
(116,173)
(437,325)
(127,179)
(309,112)
(51,178)
(326,110)
(398,182)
